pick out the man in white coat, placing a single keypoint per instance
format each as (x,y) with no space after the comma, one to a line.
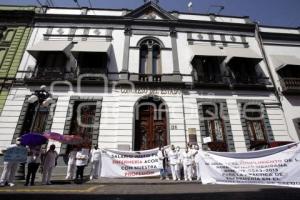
(71,164)
(161,154)
(187,159)
(173,162)
(96,163)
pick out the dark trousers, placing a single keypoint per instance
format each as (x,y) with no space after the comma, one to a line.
(32,169)
(79,172)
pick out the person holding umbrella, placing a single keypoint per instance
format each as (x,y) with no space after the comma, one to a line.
(34,161)
(49,162)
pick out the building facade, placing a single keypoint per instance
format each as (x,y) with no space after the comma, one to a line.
(15,29)
(137,79)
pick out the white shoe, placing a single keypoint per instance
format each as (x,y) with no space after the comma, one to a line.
(167,178)
(91,178)
(161,178)
(11,184)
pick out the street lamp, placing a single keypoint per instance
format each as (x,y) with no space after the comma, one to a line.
(43,99)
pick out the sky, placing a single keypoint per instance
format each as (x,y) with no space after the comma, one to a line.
(266,12)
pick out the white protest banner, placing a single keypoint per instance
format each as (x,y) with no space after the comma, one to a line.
(276,166)
(120,164)
(16,154)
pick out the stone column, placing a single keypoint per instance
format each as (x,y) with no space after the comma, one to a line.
(176,72)
(124,75)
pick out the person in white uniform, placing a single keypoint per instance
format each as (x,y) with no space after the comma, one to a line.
(173,162)
(9,168)
(193,151)
(71,164)
(49,162)
(96,163)
(179,163)
(197,160)
(187,159)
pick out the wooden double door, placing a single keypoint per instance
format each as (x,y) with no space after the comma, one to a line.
(150,126)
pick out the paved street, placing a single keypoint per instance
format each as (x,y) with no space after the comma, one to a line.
(123,189)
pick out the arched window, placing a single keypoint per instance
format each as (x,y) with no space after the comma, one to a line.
(150,62)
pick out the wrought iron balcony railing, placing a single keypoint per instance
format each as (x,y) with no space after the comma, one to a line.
(291,85)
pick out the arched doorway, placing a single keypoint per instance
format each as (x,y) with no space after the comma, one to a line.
(151,118)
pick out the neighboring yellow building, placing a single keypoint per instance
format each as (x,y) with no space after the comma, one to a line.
(15,29)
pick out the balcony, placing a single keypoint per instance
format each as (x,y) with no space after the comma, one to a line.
(290,85)
(257,82)
(149,78)
(211,81)
(139,78)
(40,74)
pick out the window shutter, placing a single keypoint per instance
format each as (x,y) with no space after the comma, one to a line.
(227,125)
(67,128)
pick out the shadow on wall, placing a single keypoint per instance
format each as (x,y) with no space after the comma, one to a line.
(294,100)
(112,66)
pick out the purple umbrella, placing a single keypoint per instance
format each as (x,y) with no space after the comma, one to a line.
(72,139)
(54,136)
(33,139)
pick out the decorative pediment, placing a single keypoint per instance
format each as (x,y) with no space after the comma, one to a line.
(151,10)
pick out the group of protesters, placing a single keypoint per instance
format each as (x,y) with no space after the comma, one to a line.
(36,159)
(78,159)
(46,161)
(184,164)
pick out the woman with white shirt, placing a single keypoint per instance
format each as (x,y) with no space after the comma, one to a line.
(173,161)
(82,158)
(96,163)
(49,162)
(71,164)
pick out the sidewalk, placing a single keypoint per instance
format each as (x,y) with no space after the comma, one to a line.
(144,189)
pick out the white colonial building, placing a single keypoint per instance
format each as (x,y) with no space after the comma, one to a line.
(137,79)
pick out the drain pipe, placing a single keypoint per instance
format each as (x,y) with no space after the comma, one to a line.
(184,123)
(260,42)
(262,48)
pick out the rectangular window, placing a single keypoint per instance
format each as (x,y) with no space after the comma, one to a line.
(244,71)
(207,69)
(214,123)
(254,120)
(92,63)
(9,35)
(2,55)
(35,121)
(51,65)
(83,120)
